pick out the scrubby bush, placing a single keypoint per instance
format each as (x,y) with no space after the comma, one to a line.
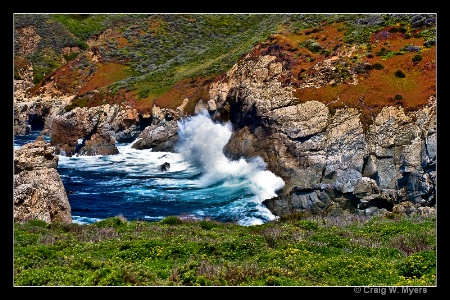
(312,46)
(207,225)
(417,58)
(418,264)
(398,97)
(399,74)
(171,220)
(383,52)
(377,66)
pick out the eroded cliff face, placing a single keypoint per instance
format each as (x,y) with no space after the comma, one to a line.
(93,131)
(329,160)
(39,193)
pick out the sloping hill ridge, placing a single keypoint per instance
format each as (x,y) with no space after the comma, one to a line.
(147,59)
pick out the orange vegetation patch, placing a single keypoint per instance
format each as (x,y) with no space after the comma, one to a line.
(156,25)
(121,41)
(375,88)
(327,36)
(296,58)
(105,74)
(379,88)
(194,89)
(143,105)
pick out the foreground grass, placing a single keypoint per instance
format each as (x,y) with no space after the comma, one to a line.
(292,251)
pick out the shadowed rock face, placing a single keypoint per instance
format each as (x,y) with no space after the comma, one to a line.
(94,131)
(39,193)
(328,161)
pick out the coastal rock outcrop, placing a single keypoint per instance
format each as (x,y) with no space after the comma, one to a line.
(93,131)
(162,134)
(329,160)
(39,193)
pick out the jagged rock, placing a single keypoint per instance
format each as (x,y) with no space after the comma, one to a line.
(85,127)
(39,193)
(126,125)
(160,137)
(165,167)
(328,160)
(98,146)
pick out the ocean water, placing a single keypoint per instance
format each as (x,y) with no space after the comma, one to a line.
(201,182)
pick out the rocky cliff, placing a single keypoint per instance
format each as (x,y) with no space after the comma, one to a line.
(329,159)
(39,193)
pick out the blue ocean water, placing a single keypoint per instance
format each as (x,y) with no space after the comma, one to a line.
(201,182)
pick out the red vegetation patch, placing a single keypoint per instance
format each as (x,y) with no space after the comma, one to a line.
(374,88)
(288,49)
(195,89)
(106,74)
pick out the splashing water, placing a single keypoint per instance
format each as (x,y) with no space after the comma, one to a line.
(201,143)
(200,183)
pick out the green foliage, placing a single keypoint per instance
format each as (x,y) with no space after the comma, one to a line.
(398,97)
(70,56)
(312,46)
(429,35)
(171,220)
(399,74)
(417,58)
(307,224)
(418,264)
(296,250)
(113,222)
(207,225)
(85,26)
(77,102)
(330,239)
(377,66)
(144,93)
(382,52)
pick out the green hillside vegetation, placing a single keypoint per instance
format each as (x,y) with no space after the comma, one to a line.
(296,250)
(154,53)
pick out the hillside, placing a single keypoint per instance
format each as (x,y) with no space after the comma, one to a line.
(352,60)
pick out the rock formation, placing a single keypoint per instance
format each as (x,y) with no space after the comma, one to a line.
(39,193)
(93,131)
(329,160)
(162,134)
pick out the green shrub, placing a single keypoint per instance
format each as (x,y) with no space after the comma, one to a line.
(398,97)
(307,224)
(207,225)
(417,58)
(399,74)
(383,52)
(330,240)
(114,222)
(71,56)
(377,66)
(418,264)
(312,46)
(171,220)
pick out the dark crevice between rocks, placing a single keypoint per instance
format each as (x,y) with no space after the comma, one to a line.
(431,202)
(381,203)
(37,123)
(144,122)
(303,139)
(87,137)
